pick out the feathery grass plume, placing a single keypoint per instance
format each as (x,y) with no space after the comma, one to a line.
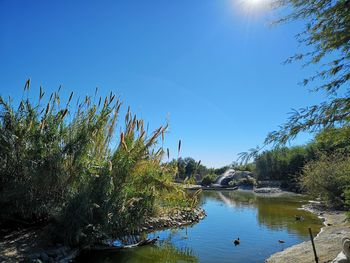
(179,149)
(106,102)
(154,137)
(159,153)
(50,97)
(163,131)
(64,113)
(122,141)
(70,98)
(41,94)
(195,198)
(27,85)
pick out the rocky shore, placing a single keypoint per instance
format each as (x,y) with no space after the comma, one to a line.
(29,245)
(176,218)
(327,242)
(267,190)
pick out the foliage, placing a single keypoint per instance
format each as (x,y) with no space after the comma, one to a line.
(221,170)
(326,32)
(327,35)
(190,168)
(287,164)
(58,164)
(281,163)
(208,179)
(247,181)
(250,167)
(334,140)
(232,183)
(328,178)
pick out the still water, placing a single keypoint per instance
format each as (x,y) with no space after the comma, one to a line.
(259,221)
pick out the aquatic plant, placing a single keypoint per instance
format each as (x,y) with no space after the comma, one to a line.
(68,165)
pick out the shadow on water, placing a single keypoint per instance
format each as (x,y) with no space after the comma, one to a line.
(259,221)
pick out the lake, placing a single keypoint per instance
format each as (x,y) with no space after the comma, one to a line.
(260,221)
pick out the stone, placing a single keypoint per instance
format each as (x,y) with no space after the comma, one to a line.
(341,258)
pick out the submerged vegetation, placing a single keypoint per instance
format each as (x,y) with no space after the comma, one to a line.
(72,168)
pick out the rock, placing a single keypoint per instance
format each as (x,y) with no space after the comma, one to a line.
(341,258)
(267,190)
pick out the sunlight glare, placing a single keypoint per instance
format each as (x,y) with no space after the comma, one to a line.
(256,4)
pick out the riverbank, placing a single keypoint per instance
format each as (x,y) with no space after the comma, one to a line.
(327,242)
(31,244)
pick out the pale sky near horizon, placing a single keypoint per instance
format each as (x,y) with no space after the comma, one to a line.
(213,69)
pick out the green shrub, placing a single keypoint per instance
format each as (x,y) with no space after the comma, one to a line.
(208,179)
(232,183)
(247,181)
(328,178)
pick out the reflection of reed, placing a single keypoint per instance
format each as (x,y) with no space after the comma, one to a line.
(164,251)
(167,252)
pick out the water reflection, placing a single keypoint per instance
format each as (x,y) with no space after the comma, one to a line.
(163,252)
(276,212)
(259,221)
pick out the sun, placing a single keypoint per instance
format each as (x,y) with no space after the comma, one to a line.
(256,4)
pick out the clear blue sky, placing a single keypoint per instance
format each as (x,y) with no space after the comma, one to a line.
(211,68)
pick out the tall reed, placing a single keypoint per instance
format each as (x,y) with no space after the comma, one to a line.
(60,164)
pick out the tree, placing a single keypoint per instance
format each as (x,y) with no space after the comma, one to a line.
(327,34)
(327,37)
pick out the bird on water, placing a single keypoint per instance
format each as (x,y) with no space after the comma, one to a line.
(237,241)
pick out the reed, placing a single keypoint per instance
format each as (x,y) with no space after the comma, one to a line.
(57,163)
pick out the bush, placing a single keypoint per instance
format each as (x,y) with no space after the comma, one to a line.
(329,179)
(232,183)
(208,179)
(247,181)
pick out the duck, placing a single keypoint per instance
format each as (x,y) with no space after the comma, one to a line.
(281,241)
(237,242)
